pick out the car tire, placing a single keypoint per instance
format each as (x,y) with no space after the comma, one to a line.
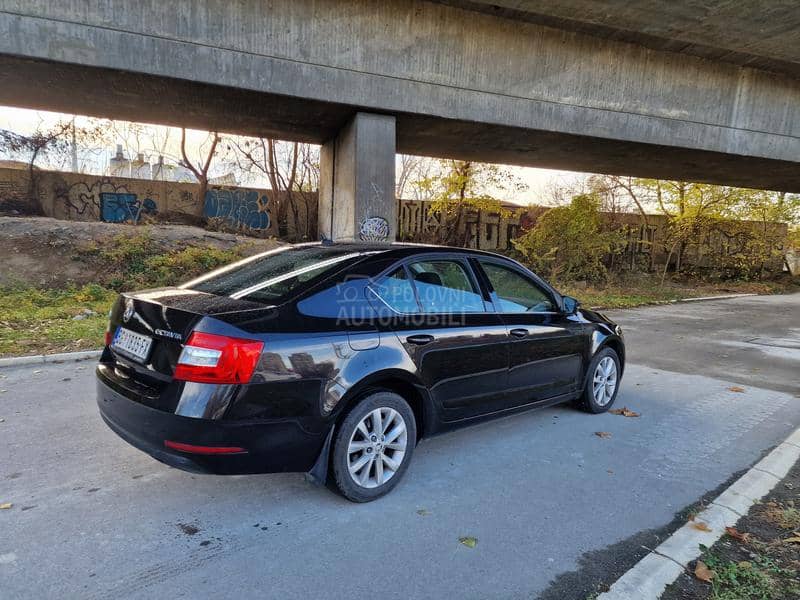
(597,395)
(368,463)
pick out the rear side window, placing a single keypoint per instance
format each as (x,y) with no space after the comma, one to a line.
(444,286)
(274,276)
(396,292)
(345,300)
(515,292)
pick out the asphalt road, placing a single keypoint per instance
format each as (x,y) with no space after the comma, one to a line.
(556,509)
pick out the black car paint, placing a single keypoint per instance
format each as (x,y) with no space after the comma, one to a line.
(313,368)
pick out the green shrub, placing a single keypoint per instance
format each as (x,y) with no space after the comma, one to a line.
(568,242)
(137,262)
(171,269)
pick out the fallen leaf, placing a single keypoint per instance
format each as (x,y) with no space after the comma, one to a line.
(736,534)
(37,371)
(422,512)
(702,572)
(744,564)
(736,388)
(625,412)
(700,526)
(6,505)
(609,471)
(469,542)
(602,434)
(791,540)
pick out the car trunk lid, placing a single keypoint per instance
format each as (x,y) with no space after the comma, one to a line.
(164,317)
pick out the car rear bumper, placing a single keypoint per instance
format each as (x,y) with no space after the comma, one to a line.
(271,446)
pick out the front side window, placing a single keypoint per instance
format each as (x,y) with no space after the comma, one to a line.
(444,286)
(515,292)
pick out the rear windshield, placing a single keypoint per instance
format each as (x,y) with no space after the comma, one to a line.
(275,276)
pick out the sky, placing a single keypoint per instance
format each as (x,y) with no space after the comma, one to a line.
(148,138)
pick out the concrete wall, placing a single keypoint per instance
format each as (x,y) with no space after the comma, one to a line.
(460,83)
(645,246)
(485,230)
(793,261)
(74,196)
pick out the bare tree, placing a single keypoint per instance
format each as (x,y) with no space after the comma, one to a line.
(56,143)
(201,169)
(292,170)
(413,173)
(459,187)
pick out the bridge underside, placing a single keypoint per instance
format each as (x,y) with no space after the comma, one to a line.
(110,93)
(759,35)
(602,86)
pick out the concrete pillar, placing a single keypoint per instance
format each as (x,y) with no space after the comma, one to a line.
(356,187)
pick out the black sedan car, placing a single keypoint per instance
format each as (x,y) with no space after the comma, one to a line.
(336,358)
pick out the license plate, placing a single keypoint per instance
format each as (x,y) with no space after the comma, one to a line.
(131,344)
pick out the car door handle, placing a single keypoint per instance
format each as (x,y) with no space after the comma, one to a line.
(519,333)
(420,339)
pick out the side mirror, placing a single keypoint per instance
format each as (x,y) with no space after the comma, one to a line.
(571,305)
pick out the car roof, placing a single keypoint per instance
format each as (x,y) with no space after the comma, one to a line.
(398,249)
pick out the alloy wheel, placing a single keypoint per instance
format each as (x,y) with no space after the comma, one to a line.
(377,447)
(604,382)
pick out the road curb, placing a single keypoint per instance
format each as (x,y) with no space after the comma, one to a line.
(666,302)
(40,359)
(723,297)
(648,578)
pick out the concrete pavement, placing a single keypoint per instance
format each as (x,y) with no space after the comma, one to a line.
(753,340)
(556,509)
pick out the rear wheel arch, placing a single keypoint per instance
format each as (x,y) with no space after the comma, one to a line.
(399,383)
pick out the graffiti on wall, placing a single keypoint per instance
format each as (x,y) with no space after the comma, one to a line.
(81,200)
(486,230)
(117,207)
(374,229)
(245,209)
(102,200)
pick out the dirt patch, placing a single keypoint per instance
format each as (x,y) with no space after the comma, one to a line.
(45,252)
(188,529)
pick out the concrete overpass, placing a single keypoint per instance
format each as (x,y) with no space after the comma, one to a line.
(704,91)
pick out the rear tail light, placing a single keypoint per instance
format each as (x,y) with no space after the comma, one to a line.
(209,358)
(109,337)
